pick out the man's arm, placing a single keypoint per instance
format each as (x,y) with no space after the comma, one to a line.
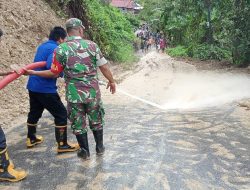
(52,64)
(108,75)
(45,73)
(103,66)
(6,73)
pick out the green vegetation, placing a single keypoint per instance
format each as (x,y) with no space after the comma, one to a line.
(105,25)
(208,52)
(178,51)
(204,29)
(133,19)
(111,30)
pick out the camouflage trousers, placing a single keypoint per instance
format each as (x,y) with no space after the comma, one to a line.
(77,113)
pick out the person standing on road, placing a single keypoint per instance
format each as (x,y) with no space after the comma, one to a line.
(142,44)
(157,41)
(79,59)
(162,44)
(43,95)
(7,171)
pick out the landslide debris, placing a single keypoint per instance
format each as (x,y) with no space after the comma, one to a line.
(25,24)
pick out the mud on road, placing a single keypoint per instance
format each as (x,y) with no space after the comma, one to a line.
(146,148)
(193,147)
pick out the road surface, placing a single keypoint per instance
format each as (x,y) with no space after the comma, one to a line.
(147,148)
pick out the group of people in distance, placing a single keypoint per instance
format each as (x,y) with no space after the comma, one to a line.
(150,39)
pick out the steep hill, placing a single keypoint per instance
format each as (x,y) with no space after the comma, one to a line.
(25,24)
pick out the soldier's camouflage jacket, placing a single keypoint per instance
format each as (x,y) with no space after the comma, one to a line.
(79,59)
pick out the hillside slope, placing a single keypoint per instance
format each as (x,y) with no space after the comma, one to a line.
(25,24)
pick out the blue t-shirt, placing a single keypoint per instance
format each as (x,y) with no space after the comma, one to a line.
(41,84)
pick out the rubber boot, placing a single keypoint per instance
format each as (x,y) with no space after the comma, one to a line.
(7,173)
(61,139)
(98,135)
(11,164)
(32,138)
(84,146)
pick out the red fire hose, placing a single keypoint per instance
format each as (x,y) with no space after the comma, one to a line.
(9,78)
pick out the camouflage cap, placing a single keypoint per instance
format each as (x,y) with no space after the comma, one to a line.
(73,23)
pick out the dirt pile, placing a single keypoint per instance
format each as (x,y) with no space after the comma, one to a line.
(25,24)
(170,84)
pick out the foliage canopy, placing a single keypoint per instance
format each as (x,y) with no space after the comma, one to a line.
(105,25)
(209,29)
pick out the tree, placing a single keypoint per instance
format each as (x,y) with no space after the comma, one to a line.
(208,29)
(105,25)
(241,32)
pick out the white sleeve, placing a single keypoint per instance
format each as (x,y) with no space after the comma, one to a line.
(101,61)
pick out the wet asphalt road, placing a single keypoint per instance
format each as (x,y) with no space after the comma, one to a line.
(146,149)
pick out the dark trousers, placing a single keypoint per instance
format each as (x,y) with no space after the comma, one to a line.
(50,102)
(2,140)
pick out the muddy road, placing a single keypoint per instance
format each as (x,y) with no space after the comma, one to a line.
(173,128)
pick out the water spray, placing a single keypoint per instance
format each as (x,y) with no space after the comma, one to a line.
(134,97)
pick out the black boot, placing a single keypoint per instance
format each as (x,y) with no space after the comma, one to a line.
(7,172)
(61,139)
(98,135)
(32,138)
(82,139)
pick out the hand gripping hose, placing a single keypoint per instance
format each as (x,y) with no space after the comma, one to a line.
(13,76)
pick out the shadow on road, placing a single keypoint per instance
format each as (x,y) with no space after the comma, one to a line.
(146,149)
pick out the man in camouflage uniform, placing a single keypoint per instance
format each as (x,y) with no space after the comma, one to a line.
(79,59)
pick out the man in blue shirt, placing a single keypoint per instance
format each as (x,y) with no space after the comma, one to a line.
(43,95)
